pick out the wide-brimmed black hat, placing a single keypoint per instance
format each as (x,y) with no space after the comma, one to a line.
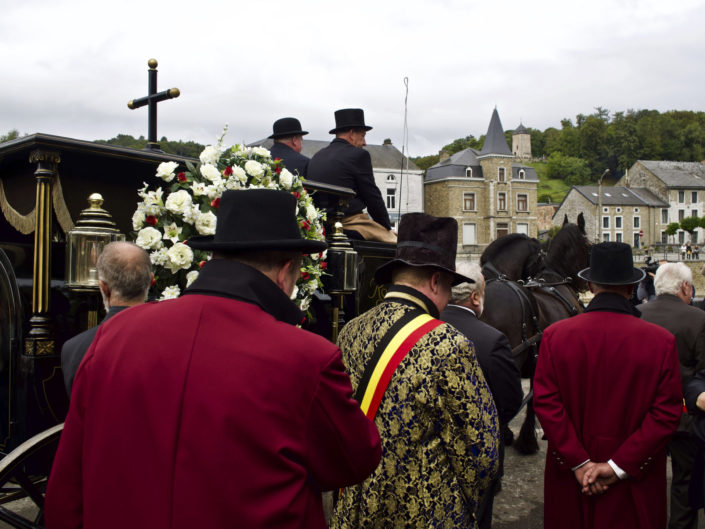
(349,118)
(611,263)
(424,240)
(287,127)
(256,219)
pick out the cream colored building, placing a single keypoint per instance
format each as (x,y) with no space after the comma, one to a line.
(486,191)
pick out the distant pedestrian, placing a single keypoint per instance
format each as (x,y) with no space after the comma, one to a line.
(683,252)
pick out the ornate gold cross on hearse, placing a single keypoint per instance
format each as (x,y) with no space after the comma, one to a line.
(152,99)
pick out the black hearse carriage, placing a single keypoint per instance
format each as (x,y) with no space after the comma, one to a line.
(45,182)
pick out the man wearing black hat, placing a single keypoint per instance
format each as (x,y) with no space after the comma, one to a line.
(345,163)
(607,393)
(288,141)
(214,410)
(420,381)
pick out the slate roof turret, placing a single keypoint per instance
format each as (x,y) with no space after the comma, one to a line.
(521,129)
(495,142)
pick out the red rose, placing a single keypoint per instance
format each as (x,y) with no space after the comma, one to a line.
(181,177)
(323,229)
(200,265)
(324,265)
(151,220)
(215,202)
(228,171)
(154,282)
(296,194)
(304,276)
(278,169)
(306,225)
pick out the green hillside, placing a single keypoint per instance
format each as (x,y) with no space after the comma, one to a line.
(555,188)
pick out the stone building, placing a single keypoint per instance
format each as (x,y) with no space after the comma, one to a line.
(680,185)
(622,214)
(398,178)
(521,142)
(486,191)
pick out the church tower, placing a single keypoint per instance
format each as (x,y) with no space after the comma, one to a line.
(521,142)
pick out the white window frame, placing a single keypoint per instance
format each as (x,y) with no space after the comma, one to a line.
(605,236)
(391,194)
(618,222)
(664,210)
(468,172)
(618,236)
(501,174)
(502,195)
(636,222)
(469,233)
(605,225)
(694,197)
(526,201)
(467,194)
(681,197)
(522,174)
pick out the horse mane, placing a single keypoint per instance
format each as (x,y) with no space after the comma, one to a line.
(498,246)
(568,250)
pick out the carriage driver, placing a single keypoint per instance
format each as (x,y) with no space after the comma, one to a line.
(421,382)
(214,410)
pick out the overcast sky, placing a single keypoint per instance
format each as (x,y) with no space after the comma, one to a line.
(70,67)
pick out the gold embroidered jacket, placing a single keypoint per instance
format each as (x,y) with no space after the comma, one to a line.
(437,421)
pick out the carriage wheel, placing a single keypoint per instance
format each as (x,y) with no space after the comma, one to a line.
(21,485)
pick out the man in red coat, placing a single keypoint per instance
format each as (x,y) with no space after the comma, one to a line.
(607,393)
(214,410)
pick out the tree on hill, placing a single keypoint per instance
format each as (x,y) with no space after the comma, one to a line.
(182,148)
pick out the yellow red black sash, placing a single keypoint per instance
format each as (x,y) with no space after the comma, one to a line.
(390,351)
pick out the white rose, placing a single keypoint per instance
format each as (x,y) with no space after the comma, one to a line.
(149,238)
(138,219)
(205,224)
(172,232)
(303,306)
(171,292)
(254,168)
(311,212)
(179,257)
(210,155)
(295,292)
(210,172)
(261,151)
(191,277)
(215,190)
(240,174)
(165,171)
(179,201)
(286,179)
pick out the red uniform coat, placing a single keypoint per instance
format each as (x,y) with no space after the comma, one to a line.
(607,386)
(207,411)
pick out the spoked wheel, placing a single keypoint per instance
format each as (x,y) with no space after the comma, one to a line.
(23,478)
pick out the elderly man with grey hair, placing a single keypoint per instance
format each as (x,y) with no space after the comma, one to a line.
(124,277)
(494,354)
(672,310)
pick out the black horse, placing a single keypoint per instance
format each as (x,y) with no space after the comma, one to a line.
(522,310)
(515,256)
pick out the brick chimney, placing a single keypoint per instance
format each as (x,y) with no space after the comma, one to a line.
(443,155)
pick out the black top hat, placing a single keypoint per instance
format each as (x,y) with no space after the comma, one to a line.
(286,127)
(611,263)
(349,118)
(424,240)
(257,219)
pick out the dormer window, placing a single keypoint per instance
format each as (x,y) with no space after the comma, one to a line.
(522,174)
(391,178)
(468,172)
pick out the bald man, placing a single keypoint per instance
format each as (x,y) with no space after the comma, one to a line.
(124,277)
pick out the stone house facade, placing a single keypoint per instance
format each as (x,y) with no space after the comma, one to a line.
(680,185)
(486,191)
(614,213)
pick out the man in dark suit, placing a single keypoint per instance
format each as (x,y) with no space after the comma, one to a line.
(124,276)
(288,141)
(345,163)
(495,357)
(672,310)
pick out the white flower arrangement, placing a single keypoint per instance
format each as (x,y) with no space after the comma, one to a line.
(190,208)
